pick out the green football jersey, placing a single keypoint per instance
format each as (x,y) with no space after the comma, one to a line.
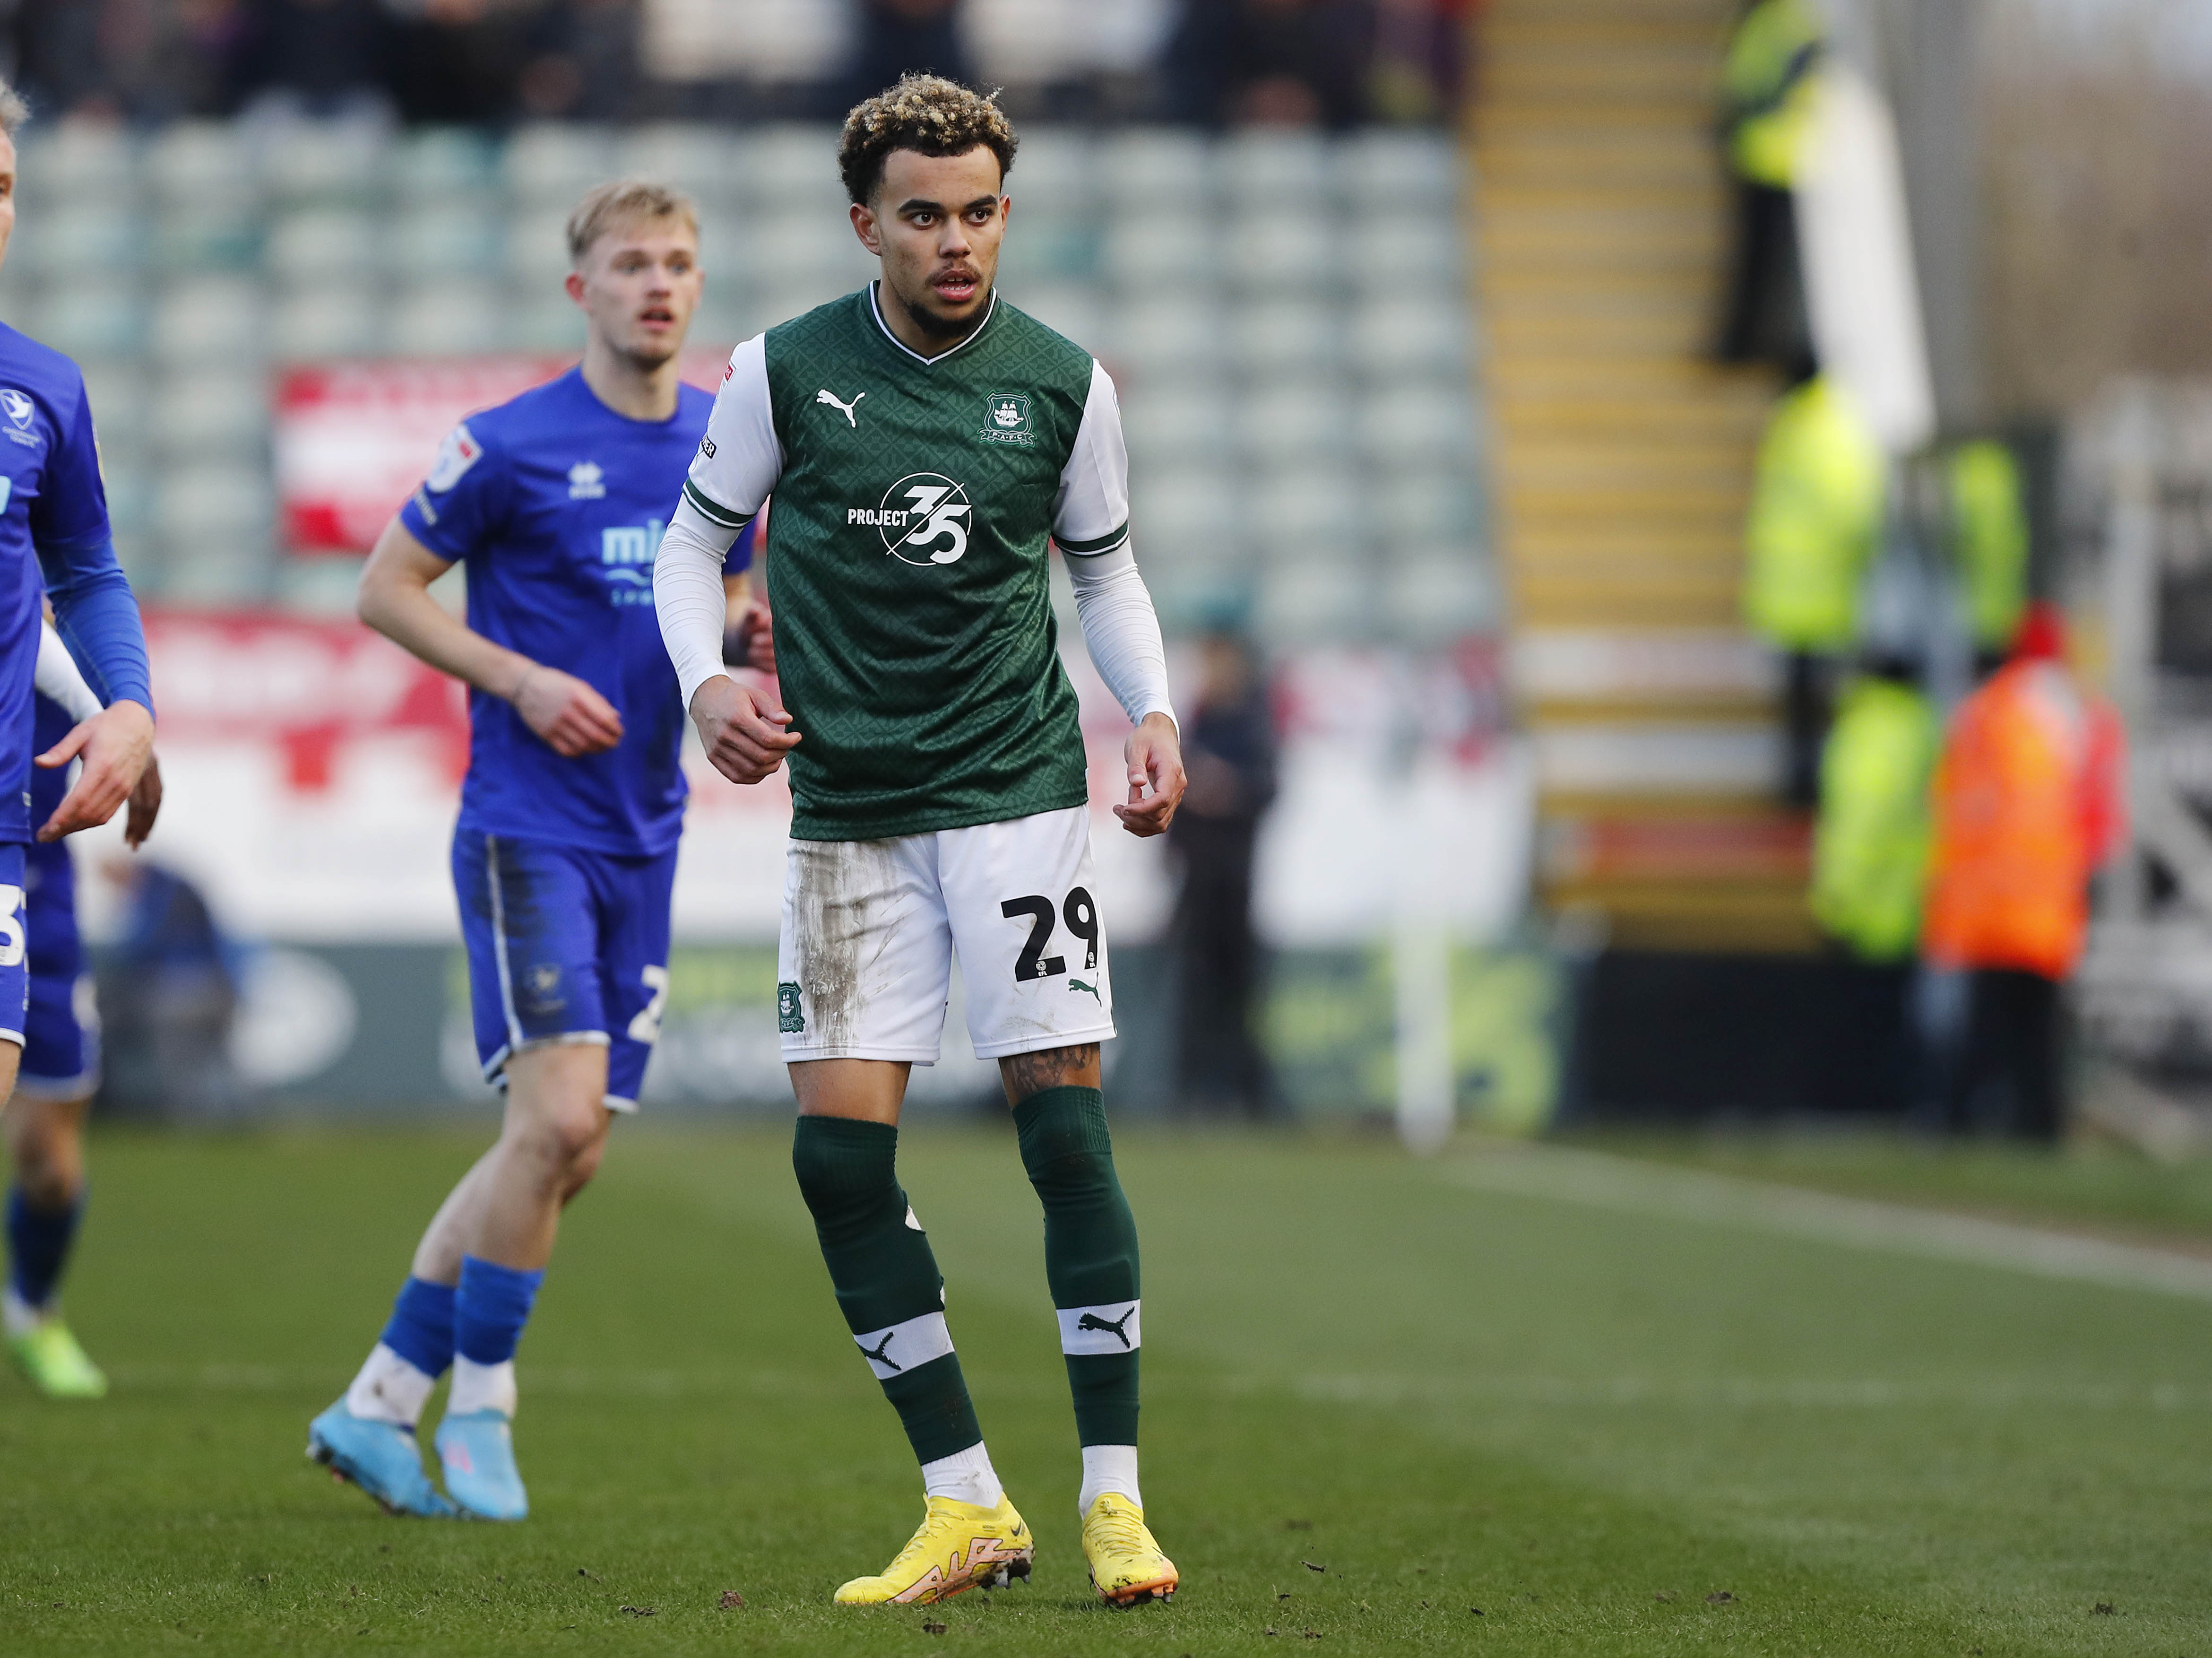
(914,499)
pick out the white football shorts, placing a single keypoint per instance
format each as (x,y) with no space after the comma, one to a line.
(870,929)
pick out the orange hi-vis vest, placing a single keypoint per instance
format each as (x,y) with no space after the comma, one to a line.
(2028,802)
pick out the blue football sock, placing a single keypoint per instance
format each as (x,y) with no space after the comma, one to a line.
(37,1246)
(491,1308)
(421,1330)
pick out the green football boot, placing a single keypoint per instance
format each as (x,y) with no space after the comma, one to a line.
(52,1363)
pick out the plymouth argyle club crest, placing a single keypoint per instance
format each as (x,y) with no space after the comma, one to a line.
(1006,419)
(787,1015)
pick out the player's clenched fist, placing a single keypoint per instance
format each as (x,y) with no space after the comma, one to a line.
(572,717)
(742,730)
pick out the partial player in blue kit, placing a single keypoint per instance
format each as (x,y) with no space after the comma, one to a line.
(564,856)
(53,534)
(60,1067)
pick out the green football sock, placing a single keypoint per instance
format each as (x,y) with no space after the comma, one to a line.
(887,1282)
(1090,1256)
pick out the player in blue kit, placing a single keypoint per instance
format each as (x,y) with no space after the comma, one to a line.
(53,532)
(60,1066)
(565,852)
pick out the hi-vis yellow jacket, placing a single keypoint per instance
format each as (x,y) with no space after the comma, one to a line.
(1768,83)
(1816,511)
(1870,847)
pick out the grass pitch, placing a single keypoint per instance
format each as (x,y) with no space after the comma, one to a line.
(1379,1395)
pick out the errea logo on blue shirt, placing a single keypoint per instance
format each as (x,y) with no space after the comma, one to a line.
(626,553)
(586,482)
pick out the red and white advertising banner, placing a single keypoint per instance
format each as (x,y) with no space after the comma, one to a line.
(354,439)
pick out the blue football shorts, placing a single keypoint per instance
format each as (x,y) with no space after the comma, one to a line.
(564,945)
(61,1021)
(15,969)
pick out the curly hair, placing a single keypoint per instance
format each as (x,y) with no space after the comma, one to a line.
(924,112)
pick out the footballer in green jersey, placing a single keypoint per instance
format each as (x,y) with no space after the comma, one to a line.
(926,443)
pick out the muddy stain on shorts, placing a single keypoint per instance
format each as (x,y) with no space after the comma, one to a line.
(843,911)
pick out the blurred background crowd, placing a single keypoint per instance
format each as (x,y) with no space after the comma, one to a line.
(1680,523)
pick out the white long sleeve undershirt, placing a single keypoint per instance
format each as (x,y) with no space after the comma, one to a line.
(689,597)
(57,677)
(1121,631)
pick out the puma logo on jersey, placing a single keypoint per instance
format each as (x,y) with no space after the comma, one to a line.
(1092,1321)
(1075,984)
(842,406)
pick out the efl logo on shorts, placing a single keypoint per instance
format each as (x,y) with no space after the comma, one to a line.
(787,1015)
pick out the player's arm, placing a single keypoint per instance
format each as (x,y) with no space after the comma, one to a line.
(96,614)
(1120,630)
(736,465)
(572,717)
(59,679)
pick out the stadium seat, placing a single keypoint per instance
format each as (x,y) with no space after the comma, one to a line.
(1267,170)
(95,317)
(1144,168)
(1434,597)
(437,163)
(550,164)
(538,248)
(201,510)
(201,413)
(1170,337)
(1283,336)
(1190,515)
(130,489)
(793,167)
(1312,509)
(1159,246)
(319,245)
(1055,173)
(221,319)
(702,161)
(116,389)
(1066,308)
(1416,425)
(327,322)
(549,322)
(1044,246)
(1311,602)
(448,319)
(461,235)
(1409,168)
(75,160)
(1292,420)
(326,163)
(1428,505)
(92,237)
(802,249)
(223,233)
(1425,336)
(1406,253)
(194,162)
(1281,252)
(1169,422)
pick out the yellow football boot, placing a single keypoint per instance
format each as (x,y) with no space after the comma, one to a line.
(959,1547)
(1126,1566)
(52,1363)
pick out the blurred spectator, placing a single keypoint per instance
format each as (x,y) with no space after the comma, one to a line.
(173,58)
(315,57)
(1229,753)
(1767,92)
(167,996)
(1870,848)
(1270,62)
(1818,496)
(458,60)
(2028,803)
(1419,69)
(60,65)
(897,36)
(1988,540)
(581,62)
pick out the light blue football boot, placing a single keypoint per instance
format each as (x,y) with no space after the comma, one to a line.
(379,1457)
(478,1451)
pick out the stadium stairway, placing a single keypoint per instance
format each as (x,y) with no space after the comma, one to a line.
(1622,465)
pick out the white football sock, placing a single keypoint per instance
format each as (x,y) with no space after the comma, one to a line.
(389,1389)
(481,1388)
(17,1316)
(1108,1468)
(965,1477)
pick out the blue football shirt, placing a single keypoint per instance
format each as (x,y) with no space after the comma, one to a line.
(556,504)
(51,507)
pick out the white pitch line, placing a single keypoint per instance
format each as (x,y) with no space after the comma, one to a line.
(1600,1181)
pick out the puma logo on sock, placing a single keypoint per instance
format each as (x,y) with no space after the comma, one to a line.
(876,1354)
(1092,1321)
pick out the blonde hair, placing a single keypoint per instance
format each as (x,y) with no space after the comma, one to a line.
(924,112)
(605,205)
(14,111)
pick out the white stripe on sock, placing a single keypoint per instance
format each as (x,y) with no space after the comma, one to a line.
(481,1388)
(1108,1468)
(965,1477)
(389,1389)
(1115,1327)
(898,1348)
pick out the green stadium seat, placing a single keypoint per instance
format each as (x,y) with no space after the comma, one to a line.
(1267,169)
(313,324)
(210,318)
(199,414)
(1276,336)
(1429,597)
(1424,336)
(448,319)
(95,317)
(317,245)
(325,163)
(551,164)
(461,235)
(439,163)
(701,162)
